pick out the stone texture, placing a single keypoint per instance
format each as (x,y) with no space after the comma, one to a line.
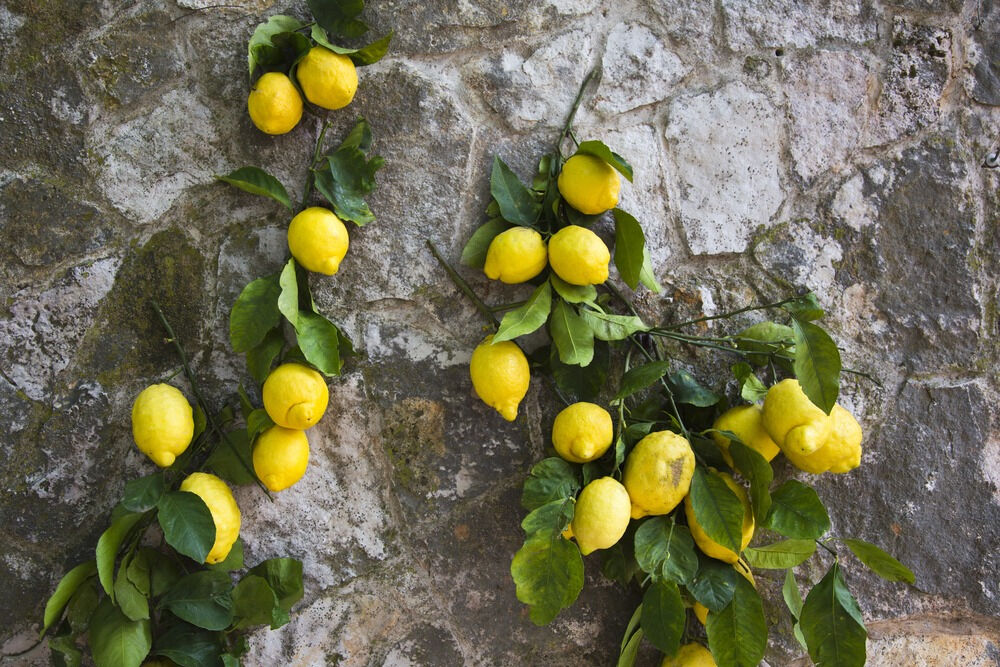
(771,23)
(637,70)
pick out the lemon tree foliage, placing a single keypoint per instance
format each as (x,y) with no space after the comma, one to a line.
(600,349)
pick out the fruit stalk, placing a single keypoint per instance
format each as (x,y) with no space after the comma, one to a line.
(464,287)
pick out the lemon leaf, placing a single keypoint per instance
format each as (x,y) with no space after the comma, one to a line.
(186,644)
(527,318)
(187,524)
(202,599)
(817,364)
(284,575)
(880,562)
(686,389)
(108,545)
(831,623)
(65,589)
(288,299)
(630,651)
(233,561)
(612,327)
(550,480)
(780,555)
(551,517)
(737,635)
(319,339)
(474,252)
(344,181)
(143,493)
(574,340)
(805,307)
(717,509)
(231,459)
(663,616)
(517,204)
(791,595)
(128,597)
(572,293)
(258,182)
(262,34)
(665,550)
(255,313)
(757,471)
(630,247)
(581,383)
(797,512)
(548,573)
(261,357)
(714,583)
(258,421)
(253,600)
(339,16)
(373,52)
(639,377)
(65,651)
(81,607)
(116,640)
(600,150)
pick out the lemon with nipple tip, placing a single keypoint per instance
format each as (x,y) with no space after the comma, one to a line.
(295,396)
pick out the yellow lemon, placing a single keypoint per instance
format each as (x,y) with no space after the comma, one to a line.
(579,256)
(582,432)
(601,515)
(318,240)
(690,655)
(280,457)
(793,421)
(745,422)
(589,184)
(295,396)
(515,256)
(709,546)
(701,611)
(222,505)
(840,453)
(500,375)
(328,79)
(162,423)
(658,473)
(274,104)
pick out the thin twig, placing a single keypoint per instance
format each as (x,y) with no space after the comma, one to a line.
(568,127)
(486,311)
(776,304)
(310,176)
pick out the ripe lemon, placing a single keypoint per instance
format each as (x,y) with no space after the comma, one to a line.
(745,422)
(579,256)
(582,432)
(709,546)
(701,611)
(500,375)
(328,79)
(318,240)
(274,104)
(602,515)
(840,453)
(280,457)
(589,184)
(690,655)
(295,396)
(793,421)
(222,505)
(515,256)
(162,423)
(658,473)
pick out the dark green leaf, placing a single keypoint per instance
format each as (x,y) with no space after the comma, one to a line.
(319,339)
(137,572)
(188,646)
(666,550)
(805,307)
(630,247)
(756,470)
(262,356)
(527,318)
(230,661)
(187,524)
(551,479)
(115,641)
(163,571)
(474,252)
(581,383)
(107,548)
(832,625)
(640,377)
(718,510)
(200,421)
(879,561)
(284,575)
(548,573)
(572,293)
(517,204)
(67,586)
(263,33)
(65,652)
(790,592)
(663,616)
(129,598)
(714,584)
(143,493)
(202,598)
(339,17)
(618,562)
(258,421)
(796,511)
(765,338)
(258,182)
(612,327)
(688,390)
(551,517)
(81,607)
(631,650)
(737,635)
(345,179)
(233,561)
(231,460)
(253,601)
(571,335)
(254,314)
(288,300)
(706,450)
(751,388)
(780,555)
(598,149)
(373,52)
(817,364)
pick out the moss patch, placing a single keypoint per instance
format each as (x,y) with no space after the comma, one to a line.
(413,438)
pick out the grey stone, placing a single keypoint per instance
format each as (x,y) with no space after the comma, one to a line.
(637,70)
(772,23)
(984,84)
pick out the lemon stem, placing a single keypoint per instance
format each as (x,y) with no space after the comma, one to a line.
(464,286)
(310,176)
(567,130)
(832,551)
(723,316)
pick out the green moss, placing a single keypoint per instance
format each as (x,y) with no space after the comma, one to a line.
(413,438)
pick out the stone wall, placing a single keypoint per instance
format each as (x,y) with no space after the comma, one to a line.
(835,144)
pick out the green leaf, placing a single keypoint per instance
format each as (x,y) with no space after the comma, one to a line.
(107,548)
(373,52)
(253,601)
(319,340)
(284,575)
(751,388)
(137,572)
(756,470)
(805,307)
(162,571)
(474,252)
(686,389)
(718,510)
(817,364)
(709,452)
(65,589)
(517,204)
(528,317)
(581,383)
(765,338)
(663,616)
(345,179)
(115,641)
(129,598)
(548,573)
(188,646)
(200,421)
(187,524)
(258,421)
(288,300)
(261,357)
(832,625)
(639,377)
(572,293)
(550,479)
(879,561)
(780,555)
(81,607)
(262,36)
(646,275)
(714,584)
(630,651)
(339,17)
(612,327)
(65,652)
(598,149)
(630,247)
(202,599)
(551,517)
(143,493)
(571,335)
(254,314)
(233,561)
(737,635)
(618,562)
(230,661)
(231,460)
(797,511)
(258,182)
(790,592)
(666,550)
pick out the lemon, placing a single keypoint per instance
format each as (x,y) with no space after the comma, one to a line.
(601,516)
(658,473)
(701,611)
(280,457)
(793,421)
(745,422)
(162,423)
(582,432)
(274,104)
(318,240)
(222,505)
(840,453)
(589,184)
(709,546)
(500,375)
(515,256)
(295,396)
(690,655)
(328,79)
(579,256)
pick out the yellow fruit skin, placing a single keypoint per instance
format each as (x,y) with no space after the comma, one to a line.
(295,396)
(690,655)
(318,240)
(162,423)
(222,505)
(707,545)
(744,421)
(280,457)
(328,79)
(515,256)
(582,432)
(842,451)
(274,104)
(658,473)
(579,256)
(793,421)
(500,375)
(589,184)
(601,516)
